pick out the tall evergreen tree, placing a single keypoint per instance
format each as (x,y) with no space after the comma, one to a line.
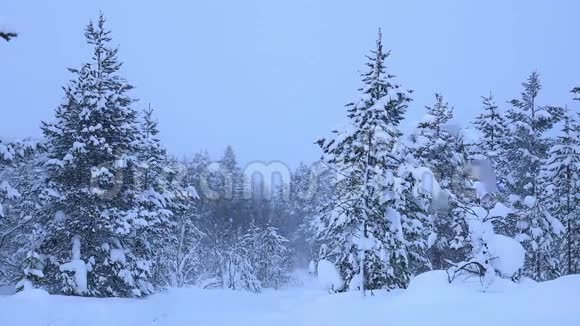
(528,123)
(492,125)
(360,226)
(561,171)
(535,227)
(269,254)
(436,147)
(229,213)
(310,189)
(237,271)
(90,219)
(21,177)
(412,200)
(168,205)
(493,128)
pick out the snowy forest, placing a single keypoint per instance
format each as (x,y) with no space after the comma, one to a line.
(98,207)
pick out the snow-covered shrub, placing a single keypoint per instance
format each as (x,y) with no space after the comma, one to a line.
(237,270)
(491,254)
(33,271)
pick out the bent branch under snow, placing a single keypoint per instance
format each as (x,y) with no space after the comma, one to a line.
(8,35)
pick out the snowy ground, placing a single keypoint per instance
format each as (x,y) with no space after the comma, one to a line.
(429,301)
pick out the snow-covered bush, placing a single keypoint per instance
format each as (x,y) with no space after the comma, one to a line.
(491,254)
(237,271)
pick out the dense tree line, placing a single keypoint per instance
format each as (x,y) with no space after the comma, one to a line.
(504,179)
(98,207)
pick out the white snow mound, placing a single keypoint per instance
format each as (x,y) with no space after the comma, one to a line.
(429,281)
(509,254)
(328,276)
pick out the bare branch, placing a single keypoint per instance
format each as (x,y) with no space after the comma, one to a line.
(8,35)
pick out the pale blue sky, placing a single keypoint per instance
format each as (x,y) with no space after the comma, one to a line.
(270,77)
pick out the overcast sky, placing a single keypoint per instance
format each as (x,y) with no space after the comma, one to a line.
(270,77)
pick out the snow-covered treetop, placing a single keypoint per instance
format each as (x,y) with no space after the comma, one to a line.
(438,115)
(491,123)
(377,113)
(530,116)
(96,113)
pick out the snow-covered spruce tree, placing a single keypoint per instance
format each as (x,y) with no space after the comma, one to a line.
(202,228)
(281,216)
(493,128)
(236,269)
(230,205)
(360,226)
(33,264)
(152,155)
(221,190)
(478,208)
(270,255)
(434,146)
(182,260)
(181,254)
(224,216)
(194,169)
(310,189)
(10,223)
(168,205)
(534,226)
(411,200)
(29,234)
(21,180)
(561,172)
(153,199)
(92,242)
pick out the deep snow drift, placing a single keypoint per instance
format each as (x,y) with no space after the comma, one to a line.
(430,300)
